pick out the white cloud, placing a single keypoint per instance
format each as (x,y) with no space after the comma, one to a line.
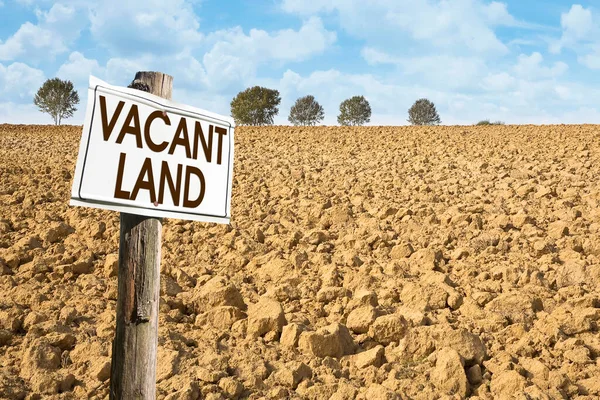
(58,14)
(375,57)
(464,25)
(55,31)
(284,45)
(121,71)
(531,67)
(581,33)
(310,7)
(443,71)
(29,41)
(592,60)
(145,26)
(78,69)
(498,82)
(235,56)
(563,92)
(18,113)
(19,82)
(496,13)
(577,25)
(450,25)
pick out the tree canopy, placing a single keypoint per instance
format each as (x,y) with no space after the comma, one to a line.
(354,111)
(57,98)
(423,112)
(255,106)
(306,111)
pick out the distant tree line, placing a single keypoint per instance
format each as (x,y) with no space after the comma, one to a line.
(254,106)
(259,105)
(487,122)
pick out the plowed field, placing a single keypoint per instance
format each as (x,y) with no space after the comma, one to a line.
(360,263)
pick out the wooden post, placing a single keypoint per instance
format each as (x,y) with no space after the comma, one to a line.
(133,368)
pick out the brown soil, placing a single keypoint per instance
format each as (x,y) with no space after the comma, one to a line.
(368,263)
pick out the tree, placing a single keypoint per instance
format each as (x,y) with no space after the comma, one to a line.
(57,98)
(423,112)
(306,111)
(487,122)
(255,106)
(354,111)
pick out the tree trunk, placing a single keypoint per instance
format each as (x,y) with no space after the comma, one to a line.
(133,369)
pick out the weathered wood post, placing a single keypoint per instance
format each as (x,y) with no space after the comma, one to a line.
(133,370)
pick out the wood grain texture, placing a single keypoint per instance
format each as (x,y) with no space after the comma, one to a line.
(160,84)
(134,351)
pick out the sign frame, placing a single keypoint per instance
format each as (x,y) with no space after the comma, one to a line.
(97,86)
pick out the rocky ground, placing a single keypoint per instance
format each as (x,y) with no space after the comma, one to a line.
(360,263)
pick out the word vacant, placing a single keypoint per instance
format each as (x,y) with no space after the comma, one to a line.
(181,137)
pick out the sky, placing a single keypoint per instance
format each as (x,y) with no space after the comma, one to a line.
(517,61)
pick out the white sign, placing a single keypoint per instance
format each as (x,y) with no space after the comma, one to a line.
(142,154)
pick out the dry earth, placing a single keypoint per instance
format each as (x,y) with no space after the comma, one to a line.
(368,263)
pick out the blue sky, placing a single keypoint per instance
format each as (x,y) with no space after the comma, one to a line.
(519,61)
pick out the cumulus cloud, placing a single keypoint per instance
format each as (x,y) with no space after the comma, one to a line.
(235,55)
(78,68)
(30,40)
(438,70)
(591,60)
(577,25)
(498,82)
(20,113)
(310,7)
(55,31)
(531,67)
(580,33)
(462,24)
(496,13)
(376,57)
(144,26)
(19,82)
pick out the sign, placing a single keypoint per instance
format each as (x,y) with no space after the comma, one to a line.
(142,154)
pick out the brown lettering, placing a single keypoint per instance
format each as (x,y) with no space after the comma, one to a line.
(165,176)
(178,140)
(186,201)
(206,147)
(134,130)
(120,193)
(221,132)
(145,184)
(107,127)
(157,148)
